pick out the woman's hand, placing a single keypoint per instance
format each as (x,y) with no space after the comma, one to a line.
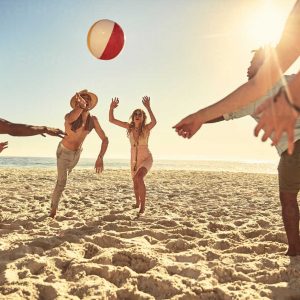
(277,117)
(114,103)
(146,102)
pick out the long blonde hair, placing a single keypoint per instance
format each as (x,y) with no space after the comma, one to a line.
(131,122)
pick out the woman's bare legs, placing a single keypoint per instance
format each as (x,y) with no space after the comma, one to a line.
(140,188)
(136,192)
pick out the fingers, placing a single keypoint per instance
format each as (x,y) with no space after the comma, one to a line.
(98,169)
(184,133)
(178,125)
(267,134)
(258,127)
(3,146)
(182,130)
(267,128)
(54,132)
(277,136)
(115,102)
(146,101)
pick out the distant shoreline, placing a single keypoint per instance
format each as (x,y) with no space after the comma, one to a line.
(192,165)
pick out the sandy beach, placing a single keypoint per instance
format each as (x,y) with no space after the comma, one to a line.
(205,235)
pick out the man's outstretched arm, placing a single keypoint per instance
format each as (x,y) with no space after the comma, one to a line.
(15,129)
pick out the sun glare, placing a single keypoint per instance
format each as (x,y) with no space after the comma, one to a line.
(265,24)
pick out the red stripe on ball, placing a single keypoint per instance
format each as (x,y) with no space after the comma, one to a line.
(115,43)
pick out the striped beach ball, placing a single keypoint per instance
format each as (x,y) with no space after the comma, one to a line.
(105,39)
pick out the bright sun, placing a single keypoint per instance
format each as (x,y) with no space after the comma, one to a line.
(265,24)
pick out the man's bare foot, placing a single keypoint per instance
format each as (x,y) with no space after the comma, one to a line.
(52,213)
(293,251)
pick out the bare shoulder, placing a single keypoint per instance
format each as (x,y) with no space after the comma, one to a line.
(95,122)
(95,119)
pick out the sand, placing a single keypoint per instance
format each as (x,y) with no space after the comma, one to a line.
(204,235)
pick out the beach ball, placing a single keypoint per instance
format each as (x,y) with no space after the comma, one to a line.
(105,39)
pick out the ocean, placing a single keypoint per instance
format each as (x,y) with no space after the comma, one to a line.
(197,165)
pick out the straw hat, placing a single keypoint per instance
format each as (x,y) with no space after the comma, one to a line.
(93,102)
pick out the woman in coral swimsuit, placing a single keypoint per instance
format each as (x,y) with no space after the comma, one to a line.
(141,158)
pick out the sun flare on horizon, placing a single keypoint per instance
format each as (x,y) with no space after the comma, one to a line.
(265,24)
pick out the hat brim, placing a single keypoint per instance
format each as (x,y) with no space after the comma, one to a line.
(93,102)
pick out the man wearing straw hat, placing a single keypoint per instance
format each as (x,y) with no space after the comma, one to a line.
(78,124)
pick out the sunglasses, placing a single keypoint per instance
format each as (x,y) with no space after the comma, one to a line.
(138,114)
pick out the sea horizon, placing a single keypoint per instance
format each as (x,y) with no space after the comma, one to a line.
(218,165)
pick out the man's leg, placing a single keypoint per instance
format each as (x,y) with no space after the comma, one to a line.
(74,159)
(66,161)
(290,216)
(62,176)
(289,185)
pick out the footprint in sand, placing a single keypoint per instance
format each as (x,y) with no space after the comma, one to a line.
(91,250)
(107,241)
(179,245)
(138,262)
(185,271)
(159,288)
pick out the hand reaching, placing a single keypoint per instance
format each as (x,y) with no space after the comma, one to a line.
(146,102)
(114,103)
(53,132)
(188,126)
(277,117)
(3,146)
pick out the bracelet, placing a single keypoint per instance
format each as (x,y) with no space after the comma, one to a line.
(291,104)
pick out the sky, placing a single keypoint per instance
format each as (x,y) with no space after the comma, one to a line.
(184,54)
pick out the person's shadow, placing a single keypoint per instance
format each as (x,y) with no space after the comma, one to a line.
(291,275)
